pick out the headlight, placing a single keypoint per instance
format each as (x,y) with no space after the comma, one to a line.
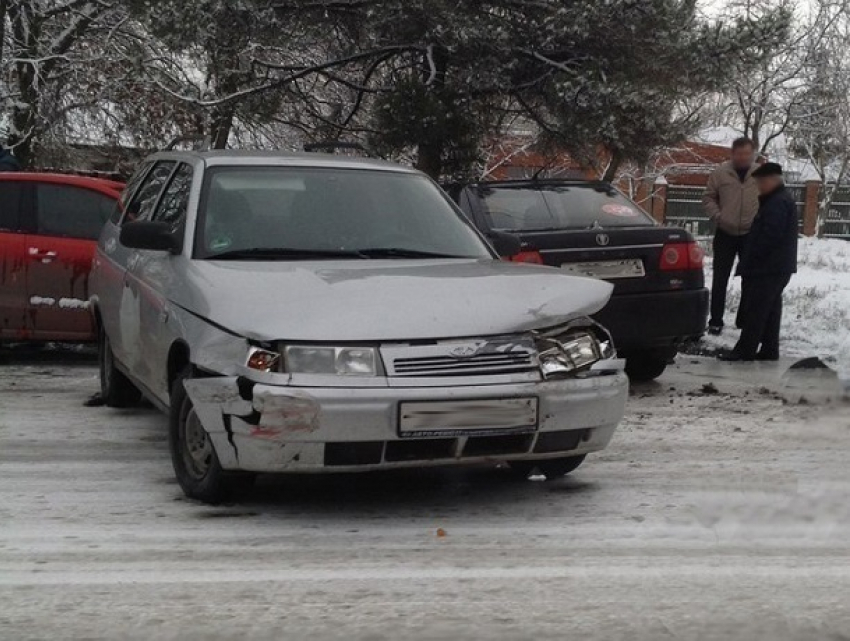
(263,360)
(606,349)
(567,354)
(344,361)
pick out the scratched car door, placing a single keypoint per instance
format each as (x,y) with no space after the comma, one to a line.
(151,273)
(13,285)
(59,256)
(141,209)
(110,265)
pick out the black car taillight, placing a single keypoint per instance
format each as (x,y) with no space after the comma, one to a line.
(533,257)
(681,256)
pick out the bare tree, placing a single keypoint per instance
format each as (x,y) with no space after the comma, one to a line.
(41,51)
(761,101)
(820,122)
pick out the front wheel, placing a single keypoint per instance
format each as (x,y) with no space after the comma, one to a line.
(116,390)
(642,367)
(552,469)
(193,456)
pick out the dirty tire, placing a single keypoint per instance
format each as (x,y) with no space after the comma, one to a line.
(551,469)
(645,366)
(193,456)
(115,388)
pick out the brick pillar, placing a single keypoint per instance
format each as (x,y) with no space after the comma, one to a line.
(659,201)
(811,201)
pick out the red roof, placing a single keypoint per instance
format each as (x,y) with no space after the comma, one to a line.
(688,163)
(110,187)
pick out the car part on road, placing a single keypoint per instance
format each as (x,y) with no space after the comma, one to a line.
(116,390)
(552,469)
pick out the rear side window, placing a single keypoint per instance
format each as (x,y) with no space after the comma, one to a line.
(127,194)
(73,212)
(145,200)
(10,205)
(560,207)
(175,199)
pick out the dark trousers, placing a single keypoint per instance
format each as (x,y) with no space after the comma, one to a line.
(726,249)
(763,316)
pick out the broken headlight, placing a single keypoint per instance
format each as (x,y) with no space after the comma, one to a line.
(568,354)
(263,360)
(344,361)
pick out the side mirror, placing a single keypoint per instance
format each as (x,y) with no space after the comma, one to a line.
(505,244)
(153,236)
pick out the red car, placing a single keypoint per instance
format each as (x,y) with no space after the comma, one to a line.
(49,225)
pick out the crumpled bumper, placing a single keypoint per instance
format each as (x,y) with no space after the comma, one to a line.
(266,428)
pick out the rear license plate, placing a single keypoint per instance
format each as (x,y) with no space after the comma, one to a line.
(608,269)
(461,418)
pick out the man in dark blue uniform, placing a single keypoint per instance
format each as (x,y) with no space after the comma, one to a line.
(767,263)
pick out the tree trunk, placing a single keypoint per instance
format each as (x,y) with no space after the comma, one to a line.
(24,118)
(613,166)
(221,126)
(430,150)
(3,10)
(430,158)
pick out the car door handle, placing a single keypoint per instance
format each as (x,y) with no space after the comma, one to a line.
(43,256)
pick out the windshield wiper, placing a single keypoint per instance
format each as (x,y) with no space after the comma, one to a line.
(285,253)
(402,252)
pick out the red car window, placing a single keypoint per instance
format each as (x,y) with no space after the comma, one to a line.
(10,203)
(72,212)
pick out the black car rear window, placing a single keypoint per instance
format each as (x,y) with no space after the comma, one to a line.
(559,207)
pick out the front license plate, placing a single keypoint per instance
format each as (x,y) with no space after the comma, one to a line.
(460,418)
(608,269)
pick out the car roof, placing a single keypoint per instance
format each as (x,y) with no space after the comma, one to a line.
(230,157)
(98,184)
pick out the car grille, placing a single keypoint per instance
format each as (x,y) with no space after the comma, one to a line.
(502,355)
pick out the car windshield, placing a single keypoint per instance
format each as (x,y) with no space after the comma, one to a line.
(560,207)
(296,213)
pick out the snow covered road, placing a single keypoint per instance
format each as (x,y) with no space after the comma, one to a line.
(718,512)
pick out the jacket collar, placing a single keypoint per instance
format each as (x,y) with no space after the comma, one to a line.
(765,197)
(730,168)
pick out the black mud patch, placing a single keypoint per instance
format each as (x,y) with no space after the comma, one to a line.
(227,514)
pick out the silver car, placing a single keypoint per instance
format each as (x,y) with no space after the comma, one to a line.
(308,313)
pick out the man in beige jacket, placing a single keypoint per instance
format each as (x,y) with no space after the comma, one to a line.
(731,202)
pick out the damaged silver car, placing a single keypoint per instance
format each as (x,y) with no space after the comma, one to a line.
(308,313)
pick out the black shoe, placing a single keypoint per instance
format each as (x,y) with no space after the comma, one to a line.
(733,357)
(715,330)
(771,358)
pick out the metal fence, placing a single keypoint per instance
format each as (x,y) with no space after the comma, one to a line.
(684,208)
(837,221)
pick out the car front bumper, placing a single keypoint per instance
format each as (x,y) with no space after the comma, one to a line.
(267,428)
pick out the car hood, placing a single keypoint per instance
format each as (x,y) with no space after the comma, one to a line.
(380,300)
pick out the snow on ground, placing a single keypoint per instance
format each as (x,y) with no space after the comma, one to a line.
(720,511)
(816,319)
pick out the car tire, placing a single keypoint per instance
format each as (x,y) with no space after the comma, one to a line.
(193,455)
(552,469)
(115,388)
(643,367)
